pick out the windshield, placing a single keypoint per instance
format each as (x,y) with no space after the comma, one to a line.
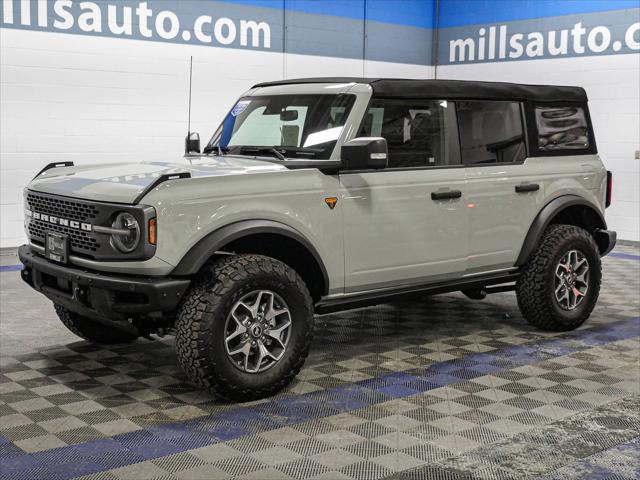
(298,126)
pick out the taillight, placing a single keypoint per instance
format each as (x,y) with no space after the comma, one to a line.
(609,188)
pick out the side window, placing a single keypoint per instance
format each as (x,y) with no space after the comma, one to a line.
(490,132)
(416,131)
(561,128)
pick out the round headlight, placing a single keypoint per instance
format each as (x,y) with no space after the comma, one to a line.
(126,243)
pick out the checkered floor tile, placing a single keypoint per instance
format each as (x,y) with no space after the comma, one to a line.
(444,388)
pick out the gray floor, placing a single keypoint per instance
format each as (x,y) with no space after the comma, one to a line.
(442,388)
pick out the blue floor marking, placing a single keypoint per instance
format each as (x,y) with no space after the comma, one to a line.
(625,256)
(125,449)
(10,268)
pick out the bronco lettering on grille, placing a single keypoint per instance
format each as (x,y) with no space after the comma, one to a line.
(63,222)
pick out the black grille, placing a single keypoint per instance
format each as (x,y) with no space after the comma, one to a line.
(84,241)
(60,207)
(80,242)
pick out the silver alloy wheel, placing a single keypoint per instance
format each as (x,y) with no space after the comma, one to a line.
(571,279)
(257,331)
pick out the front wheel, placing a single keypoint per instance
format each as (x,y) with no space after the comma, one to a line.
(559,286)
(245,327)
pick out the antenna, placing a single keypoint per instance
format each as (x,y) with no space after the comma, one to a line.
(190,78)
(188,148)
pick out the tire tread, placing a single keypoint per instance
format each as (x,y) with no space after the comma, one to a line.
(532,290)
(193,327)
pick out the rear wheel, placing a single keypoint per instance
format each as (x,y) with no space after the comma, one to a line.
(560,284)
(91,330)
(245,327)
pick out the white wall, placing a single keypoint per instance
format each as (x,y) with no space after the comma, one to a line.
(93,99)
(612,84)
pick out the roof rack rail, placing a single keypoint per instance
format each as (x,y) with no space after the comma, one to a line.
(158,181)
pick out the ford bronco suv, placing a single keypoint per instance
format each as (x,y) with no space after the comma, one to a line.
(320,195)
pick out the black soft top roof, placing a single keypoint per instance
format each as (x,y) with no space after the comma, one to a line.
(452,89)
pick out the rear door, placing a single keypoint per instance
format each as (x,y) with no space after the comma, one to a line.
(395,233)
(504,191)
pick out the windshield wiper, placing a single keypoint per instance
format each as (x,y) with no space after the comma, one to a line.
(259,150)
(215,148)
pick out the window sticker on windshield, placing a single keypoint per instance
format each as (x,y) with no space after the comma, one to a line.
(240,107)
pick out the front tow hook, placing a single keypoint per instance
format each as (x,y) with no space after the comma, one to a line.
(80,295)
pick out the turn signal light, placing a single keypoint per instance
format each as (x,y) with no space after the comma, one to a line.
(152,231)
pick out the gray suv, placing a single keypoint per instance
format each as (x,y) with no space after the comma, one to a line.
(320,195)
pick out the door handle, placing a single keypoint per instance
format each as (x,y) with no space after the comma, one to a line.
(527,187)
(446,194)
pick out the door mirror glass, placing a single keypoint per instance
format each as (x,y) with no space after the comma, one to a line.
(192,143)
(364,153)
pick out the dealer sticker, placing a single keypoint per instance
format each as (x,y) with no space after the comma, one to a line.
(240,107)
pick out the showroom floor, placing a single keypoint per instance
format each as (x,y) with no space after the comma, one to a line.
(444,388)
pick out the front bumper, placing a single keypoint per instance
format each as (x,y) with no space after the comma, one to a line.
(92,293)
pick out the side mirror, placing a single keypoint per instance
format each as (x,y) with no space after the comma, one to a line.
(364,153)
(192,143)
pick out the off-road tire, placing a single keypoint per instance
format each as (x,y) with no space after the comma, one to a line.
(91,330)
(201,322)
(535,286)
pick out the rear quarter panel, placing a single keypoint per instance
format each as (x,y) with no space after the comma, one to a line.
(582,175)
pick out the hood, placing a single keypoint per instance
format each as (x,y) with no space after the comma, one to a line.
(123,182)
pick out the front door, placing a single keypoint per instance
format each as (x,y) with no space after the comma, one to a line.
(406,224)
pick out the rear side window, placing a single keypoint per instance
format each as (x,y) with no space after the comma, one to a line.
(490,132)
(418,132)
(561,128)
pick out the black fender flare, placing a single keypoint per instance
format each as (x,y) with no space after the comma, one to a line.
(202,251)
(544,218)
